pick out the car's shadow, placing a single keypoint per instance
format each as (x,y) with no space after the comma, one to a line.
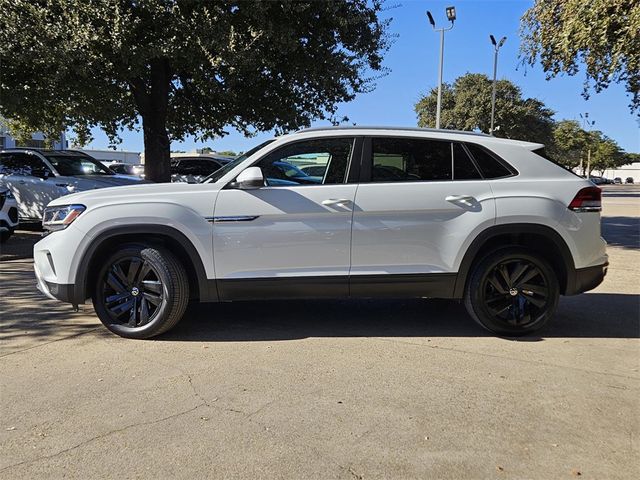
(594,315)
(621,231)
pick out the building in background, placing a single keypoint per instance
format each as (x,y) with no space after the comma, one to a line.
(110,156)
(632,170)
(37,140)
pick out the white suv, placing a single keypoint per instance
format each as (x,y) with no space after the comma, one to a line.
(396,212)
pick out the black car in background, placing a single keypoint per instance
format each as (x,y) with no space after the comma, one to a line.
(194,169)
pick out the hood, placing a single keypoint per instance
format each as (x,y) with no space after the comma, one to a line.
(132,192)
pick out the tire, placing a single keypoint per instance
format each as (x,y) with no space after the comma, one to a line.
(512,292)
(141,291)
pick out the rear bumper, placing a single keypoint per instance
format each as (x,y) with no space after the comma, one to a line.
(584,279)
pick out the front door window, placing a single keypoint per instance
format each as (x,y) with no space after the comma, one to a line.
(313,162)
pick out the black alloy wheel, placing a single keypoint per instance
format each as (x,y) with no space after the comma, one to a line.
(132,292)
(141,291)
(516,292)
(512,292)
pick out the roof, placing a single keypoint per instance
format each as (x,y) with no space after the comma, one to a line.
(379,127)
(46,151)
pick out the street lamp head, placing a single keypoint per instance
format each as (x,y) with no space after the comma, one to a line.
(431,20)
(493,39)
(451,14)
(502,40)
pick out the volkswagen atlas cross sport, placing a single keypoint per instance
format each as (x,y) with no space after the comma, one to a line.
(393,212)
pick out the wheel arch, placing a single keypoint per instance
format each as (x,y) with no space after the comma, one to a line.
(539,238)
(200,286)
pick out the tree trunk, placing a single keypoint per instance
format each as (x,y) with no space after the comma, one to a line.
(157,163)
(152,98)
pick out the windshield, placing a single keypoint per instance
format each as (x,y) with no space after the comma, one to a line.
(218,174)
(72,165)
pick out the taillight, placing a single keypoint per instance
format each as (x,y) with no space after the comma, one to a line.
(588,199)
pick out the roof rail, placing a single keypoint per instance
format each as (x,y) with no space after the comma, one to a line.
(378,127)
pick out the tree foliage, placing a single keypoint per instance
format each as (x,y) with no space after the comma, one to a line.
(601,35)
(572,146)
(184,67)
(466,105)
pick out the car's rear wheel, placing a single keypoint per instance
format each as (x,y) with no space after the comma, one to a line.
(141,291)
(512,292)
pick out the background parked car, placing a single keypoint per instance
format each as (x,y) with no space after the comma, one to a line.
(127,169)
(599,180)
(617,181)
(629,180)
(194,169)
(36,177)
(8,214)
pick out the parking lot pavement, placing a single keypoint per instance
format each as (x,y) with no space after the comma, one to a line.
(334,389)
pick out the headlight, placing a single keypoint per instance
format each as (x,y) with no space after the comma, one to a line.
(59,218)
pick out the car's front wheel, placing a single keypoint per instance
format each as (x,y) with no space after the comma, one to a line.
(141,291)
(512,292)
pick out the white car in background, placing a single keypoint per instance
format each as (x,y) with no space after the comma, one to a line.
(8,214)
(397,212)
(36,177)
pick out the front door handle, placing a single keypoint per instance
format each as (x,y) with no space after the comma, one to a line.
(464,199)
(335,201)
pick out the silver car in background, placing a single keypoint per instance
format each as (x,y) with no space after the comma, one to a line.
(36,177)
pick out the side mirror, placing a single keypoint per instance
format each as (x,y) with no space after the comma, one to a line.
(249,179)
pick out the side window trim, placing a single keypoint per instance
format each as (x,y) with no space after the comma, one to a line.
(354,166)
(473,160)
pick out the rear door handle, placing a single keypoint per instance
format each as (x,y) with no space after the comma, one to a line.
(464,199)
(335,201)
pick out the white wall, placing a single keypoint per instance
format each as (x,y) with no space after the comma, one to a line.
(122,156)
(632,170)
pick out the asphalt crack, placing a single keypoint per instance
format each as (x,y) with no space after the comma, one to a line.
(103,435)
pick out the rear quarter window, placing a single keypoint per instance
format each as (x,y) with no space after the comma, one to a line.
(541,152)
(489,163)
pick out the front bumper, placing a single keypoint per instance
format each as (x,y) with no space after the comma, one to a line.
(55,291)
(584,279)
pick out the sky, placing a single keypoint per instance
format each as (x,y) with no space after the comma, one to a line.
(413,69)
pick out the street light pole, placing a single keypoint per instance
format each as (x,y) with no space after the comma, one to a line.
(587,124)
(496,46)
(451,16)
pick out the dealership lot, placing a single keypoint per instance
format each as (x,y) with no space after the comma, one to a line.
(334,389)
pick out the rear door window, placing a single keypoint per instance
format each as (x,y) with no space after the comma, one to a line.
(411,159)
